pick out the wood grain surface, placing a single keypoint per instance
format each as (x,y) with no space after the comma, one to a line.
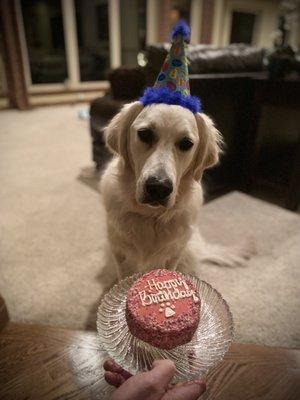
(39,362)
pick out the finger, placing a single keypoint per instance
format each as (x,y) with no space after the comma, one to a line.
(111,365)
(187,391)
(162,372)
(154,383)
(113,378)
(126,375)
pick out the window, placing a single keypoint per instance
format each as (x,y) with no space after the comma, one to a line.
(242,27)
(133,30)
(43,25)
(73,43)
(92,38)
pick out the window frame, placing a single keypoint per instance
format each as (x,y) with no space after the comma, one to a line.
(223,19)
(243,8)
(73,82)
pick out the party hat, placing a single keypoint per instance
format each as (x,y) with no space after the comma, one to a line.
(172,84)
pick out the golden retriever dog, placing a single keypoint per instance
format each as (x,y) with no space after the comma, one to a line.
(152,191)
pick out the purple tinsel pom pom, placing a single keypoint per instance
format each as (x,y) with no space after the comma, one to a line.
(154,95)
(183,29)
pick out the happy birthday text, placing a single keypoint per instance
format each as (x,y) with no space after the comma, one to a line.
(173,289)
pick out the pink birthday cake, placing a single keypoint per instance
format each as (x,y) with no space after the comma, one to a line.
(163,309)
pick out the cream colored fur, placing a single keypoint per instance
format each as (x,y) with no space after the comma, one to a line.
(143,237)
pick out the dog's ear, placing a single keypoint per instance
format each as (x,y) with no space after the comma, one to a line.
(210,145)
(117,131)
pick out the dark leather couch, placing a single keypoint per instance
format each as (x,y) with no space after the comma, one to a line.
(207,59)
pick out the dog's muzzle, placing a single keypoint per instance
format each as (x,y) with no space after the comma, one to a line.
(157,190)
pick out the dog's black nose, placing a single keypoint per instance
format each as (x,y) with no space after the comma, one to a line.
(158,190)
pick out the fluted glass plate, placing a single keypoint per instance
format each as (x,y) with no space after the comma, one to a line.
(208,346)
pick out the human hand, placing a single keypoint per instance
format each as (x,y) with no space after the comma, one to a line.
(151,385)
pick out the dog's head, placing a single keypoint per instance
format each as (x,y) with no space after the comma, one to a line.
(161,144)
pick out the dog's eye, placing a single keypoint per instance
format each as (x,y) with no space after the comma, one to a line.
(146,135)
(185,144)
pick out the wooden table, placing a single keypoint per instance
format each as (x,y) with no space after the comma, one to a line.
(38,362)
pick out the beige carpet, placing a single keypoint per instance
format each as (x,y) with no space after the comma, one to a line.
(52,236)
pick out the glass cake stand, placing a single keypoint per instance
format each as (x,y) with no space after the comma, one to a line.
(208,346)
